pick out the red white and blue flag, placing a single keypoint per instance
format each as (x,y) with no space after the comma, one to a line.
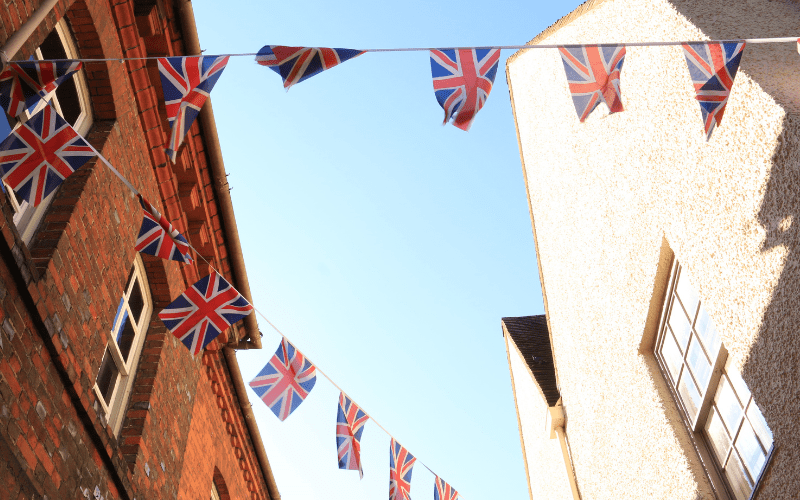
(296,64)
(187,83)
(350,422)
(443,491)
(23,84)
(713,67)
(158,237)
(203,311)
(593,74)
(42,152)
(462,81)
(401,463)
(285,381)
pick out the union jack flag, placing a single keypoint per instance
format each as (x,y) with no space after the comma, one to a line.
(296,64)
(713,67)
(22,84)
(401,463)
(443,491)
(349,426)
(187,83)
(42,152)
(158,237)
(593,75)
(285,381)
(203,311)
(462,81)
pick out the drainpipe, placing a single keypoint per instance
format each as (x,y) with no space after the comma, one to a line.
(18,39)
(556,421)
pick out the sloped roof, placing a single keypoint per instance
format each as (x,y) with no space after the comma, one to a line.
(531,337)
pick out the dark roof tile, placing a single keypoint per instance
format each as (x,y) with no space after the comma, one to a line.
(530,335)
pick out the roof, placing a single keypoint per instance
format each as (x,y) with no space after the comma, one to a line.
(531,337)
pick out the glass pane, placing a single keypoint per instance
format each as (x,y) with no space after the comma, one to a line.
(742,487)
(728,405)
(749,449)
(759,425)
(136,301)
(720,441)
(689,394)
(708,332)
(107,377)
(738,383)
(680,325)
(687,294)
(125,337)
(700,365)
(672,355)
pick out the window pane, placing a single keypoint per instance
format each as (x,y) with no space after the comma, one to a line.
(700,365)
(672,355)
(687,294)
(728,405)
(680,325)
(720,441)
(136,301)
(740,483)
(759,425)
(708,332)
(125,337)
(750,451)
(689,394)
(107,377)
(738,383)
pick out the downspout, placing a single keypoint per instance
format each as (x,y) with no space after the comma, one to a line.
(19,37)
(192,45)
(556,420)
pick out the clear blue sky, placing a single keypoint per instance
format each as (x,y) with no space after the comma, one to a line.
(385,246)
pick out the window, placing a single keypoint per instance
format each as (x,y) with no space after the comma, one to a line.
(115,377)
(214,492)
(716,403)
(70,100)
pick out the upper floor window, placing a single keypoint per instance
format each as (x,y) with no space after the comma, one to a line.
(717,405)
(115,378)
(70,100)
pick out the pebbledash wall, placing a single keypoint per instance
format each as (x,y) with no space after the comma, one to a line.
(615,199)
(187,420)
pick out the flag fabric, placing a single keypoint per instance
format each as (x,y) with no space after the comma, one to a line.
(158,237)
(187,83)
(401,463)
(203,311)
(462,81)
(296,64)
(42,152)
(350,422)
(713,67)
(443,491)
(285,381)
(593,74)
(23,84)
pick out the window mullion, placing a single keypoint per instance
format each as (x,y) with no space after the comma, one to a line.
(710,390)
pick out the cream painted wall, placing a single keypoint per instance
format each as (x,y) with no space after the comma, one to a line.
(603,195)
(547,474)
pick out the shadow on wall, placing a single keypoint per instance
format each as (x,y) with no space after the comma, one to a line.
(774,362)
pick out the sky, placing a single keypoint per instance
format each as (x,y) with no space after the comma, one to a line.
(385,246)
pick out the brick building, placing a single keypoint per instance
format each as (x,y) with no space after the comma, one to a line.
(97,399)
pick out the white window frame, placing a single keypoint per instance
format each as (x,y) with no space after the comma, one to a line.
(699,419)
(214,491)
(114,410)
(27,218)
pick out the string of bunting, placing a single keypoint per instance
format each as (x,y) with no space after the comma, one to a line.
(44,149)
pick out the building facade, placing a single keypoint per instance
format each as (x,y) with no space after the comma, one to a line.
(669,265)
(97,398)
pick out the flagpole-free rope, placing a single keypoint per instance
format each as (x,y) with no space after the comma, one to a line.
(503,47)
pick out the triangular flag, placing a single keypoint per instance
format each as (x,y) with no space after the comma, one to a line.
(443,491)
(401,465)
(462,81)
(158,237)
(713,67)
(350,422)
(285,381)
(593,74)
(187,83)
(296,64)
(23,84)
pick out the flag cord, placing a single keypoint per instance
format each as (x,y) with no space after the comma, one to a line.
(504,47)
